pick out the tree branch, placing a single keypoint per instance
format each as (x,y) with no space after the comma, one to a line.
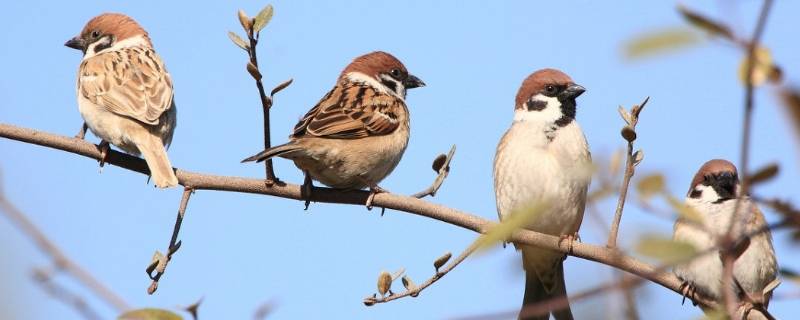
(412,205)
(160,261)
(61,261)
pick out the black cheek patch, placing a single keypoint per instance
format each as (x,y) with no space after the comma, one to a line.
(695,194)
(390,84)
(536,105)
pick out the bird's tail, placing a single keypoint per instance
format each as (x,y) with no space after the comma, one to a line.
(155,154)
(272,152)
(544,287)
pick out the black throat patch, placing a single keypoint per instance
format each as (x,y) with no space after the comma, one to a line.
(567,113)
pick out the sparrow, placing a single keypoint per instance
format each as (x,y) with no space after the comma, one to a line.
(125,92)
(544,159)
(357,133)
(713,195)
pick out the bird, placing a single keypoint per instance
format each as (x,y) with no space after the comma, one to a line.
(544,159)
(357,133)
(125,93)
(714,194)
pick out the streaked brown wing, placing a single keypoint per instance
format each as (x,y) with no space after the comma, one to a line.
(351,111)
(131,82)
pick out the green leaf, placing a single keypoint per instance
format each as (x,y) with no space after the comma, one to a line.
(262,18)
(713,27)
(660,41)
(517,219)
(238,41)
(664,249)
(149,314)
(650,185)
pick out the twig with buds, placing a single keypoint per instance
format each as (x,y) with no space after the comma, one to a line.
(60,260)
(632,160)
(412,289)
(252,28)
(441,165)
(160,261)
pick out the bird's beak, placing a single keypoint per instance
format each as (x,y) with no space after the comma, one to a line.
(572,92)
(76,43)
(413,82)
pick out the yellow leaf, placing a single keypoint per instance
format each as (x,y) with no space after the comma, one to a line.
(149,314)
(685,212)
(238,41)
(762,69)
(262,18)
(660,41)
(517,219)
(664,249)
(650,185)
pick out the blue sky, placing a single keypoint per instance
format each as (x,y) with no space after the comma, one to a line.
(241,250)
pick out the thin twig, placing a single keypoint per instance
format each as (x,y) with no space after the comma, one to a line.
(372,300)
(412,205)
(60,259)
(44,278)
(729,297)
(266,101)
(442,166)
(630,165)
(159,264)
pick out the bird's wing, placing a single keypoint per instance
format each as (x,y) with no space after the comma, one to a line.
(351,111)
(130,82)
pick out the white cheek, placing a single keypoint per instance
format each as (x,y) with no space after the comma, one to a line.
(707,193)
(550,113)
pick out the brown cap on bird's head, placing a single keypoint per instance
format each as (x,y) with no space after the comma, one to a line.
(539,82)
(116,25)
(713,167)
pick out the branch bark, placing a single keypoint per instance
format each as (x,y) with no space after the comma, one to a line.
(199,181)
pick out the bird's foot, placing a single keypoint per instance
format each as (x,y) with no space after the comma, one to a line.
(571,239)
(688,289)
(373,190)
(306,189)
(82,132)
(103,147)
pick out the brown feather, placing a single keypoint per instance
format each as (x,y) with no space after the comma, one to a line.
(537,81)
(711,167)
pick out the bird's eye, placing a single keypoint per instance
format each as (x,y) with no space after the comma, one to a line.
(395,73)
(95,34)
(550,89)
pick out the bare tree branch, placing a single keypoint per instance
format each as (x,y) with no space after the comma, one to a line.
(386,200)
(629,133)
(442,166)
(44,278)
(61,261)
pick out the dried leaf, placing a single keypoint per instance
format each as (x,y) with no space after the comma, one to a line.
(763,174)
(761,70)
(650,185)
(771,286)
(440,261)
(714,28)
(398,273)
(384,282)
(626,116)
(238,41)
(280,87)
(246,22)
(149,314)
(628,133)
(660,41)
(263,17)
(638,156)
(791,100)
(665,249)
(253,70)
(517,219)
(438,162)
